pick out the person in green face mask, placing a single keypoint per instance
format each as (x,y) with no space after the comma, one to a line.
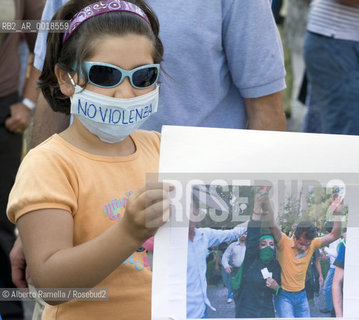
(260,278)
(266,247)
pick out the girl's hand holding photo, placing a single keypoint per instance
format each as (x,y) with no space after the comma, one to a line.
(147,209)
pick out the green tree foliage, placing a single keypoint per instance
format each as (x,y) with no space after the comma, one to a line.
(307,204)
(315,209)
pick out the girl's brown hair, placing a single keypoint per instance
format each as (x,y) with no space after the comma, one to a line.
(80,45)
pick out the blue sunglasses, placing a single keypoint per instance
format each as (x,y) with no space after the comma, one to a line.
(107,75)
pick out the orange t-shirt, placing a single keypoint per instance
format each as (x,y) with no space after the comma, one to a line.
(94,189)
(294,266)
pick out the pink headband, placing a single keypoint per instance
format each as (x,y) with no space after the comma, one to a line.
(101,7)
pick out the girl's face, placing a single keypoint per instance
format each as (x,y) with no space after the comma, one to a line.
(127,52)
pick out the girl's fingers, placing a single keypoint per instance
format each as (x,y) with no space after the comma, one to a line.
(148,208)
(150,197)
(149,187)
(156,209)
(158,214)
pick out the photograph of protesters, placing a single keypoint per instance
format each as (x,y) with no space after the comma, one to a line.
(260,285)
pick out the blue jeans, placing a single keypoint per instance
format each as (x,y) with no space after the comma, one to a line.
(227,282)
(311,122)
(327,289)
(332,67)
(292,305)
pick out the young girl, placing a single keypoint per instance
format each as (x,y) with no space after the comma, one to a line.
(79,200)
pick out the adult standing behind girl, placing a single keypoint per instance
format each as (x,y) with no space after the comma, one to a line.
(79,200)
(331,54)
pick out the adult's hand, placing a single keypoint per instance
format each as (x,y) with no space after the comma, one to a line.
(271,283)
(19,119)
(18,264)
(229,269)
(262,204)
(336,206)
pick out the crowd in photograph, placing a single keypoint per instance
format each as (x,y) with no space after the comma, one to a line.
(268,273)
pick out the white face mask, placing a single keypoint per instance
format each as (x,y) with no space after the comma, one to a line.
(112,119)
